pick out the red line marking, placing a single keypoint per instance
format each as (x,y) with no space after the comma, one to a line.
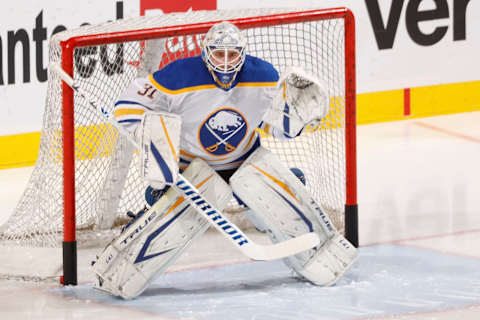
(440,250)
(406,102)
(415,314)
(447,132)
(457,233)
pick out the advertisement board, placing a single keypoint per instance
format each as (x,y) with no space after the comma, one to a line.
(405,43)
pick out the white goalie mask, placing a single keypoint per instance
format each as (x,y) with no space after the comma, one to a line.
(223,51)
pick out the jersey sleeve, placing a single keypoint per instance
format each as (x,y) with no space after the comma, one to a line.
(141,96)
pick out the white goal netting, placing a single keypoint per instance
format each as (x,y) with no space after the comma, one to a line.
(107,179)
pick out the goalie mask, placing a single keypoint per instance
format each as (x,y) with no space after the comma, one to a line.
(223,51)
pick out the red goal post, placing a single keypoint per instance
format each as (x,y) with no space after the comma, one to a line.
(335,139)
(351,224)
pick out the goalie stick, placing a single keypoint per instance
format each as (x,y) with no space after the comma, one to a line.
(214,216)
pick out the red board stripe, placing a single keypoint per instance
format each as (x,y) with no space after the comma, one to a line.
(406,102)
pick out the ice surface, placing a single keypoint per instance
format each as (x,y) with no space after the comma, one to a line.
(418,183)
(386,280)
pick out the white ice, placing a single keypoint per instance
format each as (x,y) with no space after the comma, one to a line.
(419,201)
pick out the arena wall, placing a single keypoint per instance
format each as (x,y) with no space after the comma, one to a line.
(415,58)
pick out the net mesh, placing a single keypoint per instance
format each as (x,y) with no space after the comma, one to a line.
(107,177)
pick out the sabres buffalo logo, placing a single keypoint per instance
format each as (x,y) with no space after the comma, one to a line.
(222,131)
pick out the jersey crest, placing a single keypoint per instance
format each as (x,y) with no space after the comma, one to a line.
(222,131)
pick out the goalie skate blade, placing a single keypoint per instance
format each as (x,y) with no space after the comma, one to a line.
(282,249)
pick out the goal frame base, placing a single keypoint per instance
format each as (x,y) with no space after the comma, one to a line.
(69,263)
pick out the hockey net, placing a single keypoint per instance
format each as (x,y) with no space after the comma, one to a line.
(104,173)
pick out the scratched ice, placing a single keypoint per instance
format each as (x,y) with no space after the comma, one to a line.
(418,185)
(387,280)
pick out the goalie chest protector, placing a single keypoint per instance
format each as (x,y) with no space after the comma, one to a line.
(218,125)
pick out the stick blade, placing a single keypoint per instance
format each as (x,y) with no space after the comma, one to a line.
(282,249)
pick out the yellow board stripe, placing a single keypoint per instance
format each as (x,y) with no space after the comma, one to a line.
(280,183)
(21,150)
(445,99)
(380,106)
(168,139)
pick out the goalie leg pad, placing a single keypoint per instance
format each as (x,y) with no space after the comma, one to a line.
(157,239)
(159,134)
(282,204)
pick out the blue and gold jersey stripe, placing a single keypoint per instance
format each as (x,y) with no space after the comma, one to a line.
(127,112)
(179,91)
(256,84)
(206,86)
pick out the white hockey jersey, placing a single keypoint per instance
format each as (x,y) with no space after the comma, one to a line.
(218,126)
